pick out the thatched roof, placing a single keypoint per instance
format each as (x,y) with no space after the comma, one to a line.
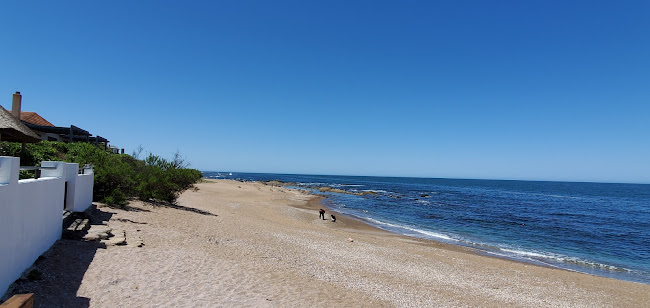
(13,130)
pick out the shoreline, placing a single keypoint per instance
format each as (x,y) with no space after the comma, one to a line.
(247,244)
(354,224)
(360,225)
(464,248)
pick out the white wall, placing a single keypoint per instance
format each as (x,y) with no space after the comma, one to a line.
(67,171)
(30,219)
(83,195)
(80,186)
(31,212)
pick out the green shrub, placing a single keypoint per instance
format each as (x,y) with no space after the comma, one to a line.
(163,180)
(118,177)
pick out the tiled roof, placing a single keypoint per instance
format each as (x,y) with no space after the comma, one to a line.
(34,118)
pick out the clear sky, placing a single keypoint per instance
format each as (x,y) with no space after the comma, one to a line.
(541,90)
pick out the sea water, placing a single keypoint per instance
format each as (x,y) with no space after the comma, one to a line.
(596,228)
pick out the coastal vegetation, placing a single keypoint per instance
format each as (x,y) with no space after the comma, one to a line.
(118,177)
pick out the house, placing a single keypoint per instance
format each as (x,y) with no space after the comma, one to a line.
(33,120)
(47,131)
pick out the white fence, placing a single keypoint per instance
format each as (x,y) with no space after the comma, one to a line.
(31,211)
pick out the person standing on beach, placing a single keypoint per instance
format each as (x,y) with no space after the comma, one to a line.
(321,214)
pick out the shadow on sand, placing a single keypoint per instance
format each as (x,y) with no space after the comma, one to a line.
(62,269)
(182,208)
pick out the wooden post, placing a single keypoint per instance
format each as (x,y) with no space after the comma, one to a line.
(19,301)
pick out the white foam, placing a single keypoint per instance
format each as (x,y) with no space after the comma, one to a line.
(310,184)
(433,234)
(375,191)
(561,259)
(423,232)
(528,253)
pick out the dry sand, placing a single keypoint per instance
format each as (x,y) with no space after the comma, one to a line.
(233,244)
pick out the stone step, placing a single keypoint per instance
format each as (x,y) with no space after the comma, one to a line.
(79,224)
(70,217)
(98,232)
(76,228)
(84,225)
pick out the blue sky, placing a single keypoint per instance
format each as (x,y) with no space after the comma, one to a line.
(541,90)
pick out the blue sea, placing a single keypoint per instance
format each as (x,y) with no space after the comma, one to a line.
(596,228)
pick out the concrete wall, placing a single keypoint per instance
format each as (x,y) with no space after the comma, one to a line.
(83,197)
(68,172)
(31,212)
(79,194)
(30,219)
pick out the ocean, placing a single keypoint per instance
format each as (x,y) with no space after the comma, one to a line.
(596,228)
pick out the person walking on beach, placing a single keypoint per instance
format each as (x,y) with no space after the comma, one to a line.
(321,214)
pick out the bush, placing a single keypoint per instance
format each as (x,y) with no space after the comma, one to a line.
(117,176)
(34,152)
(163,180)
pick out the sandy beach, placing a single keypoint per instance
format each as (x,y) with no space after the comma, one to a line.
(234,244)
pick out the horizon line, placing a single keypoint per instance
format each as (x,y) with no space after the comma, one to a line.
(441,178)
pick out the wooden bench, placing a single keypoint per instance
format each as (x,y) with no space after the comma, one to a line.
(19,301)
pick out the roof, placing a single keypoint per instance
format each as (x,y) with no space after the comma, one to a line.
(13,130)
(33,118)
(75,131)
